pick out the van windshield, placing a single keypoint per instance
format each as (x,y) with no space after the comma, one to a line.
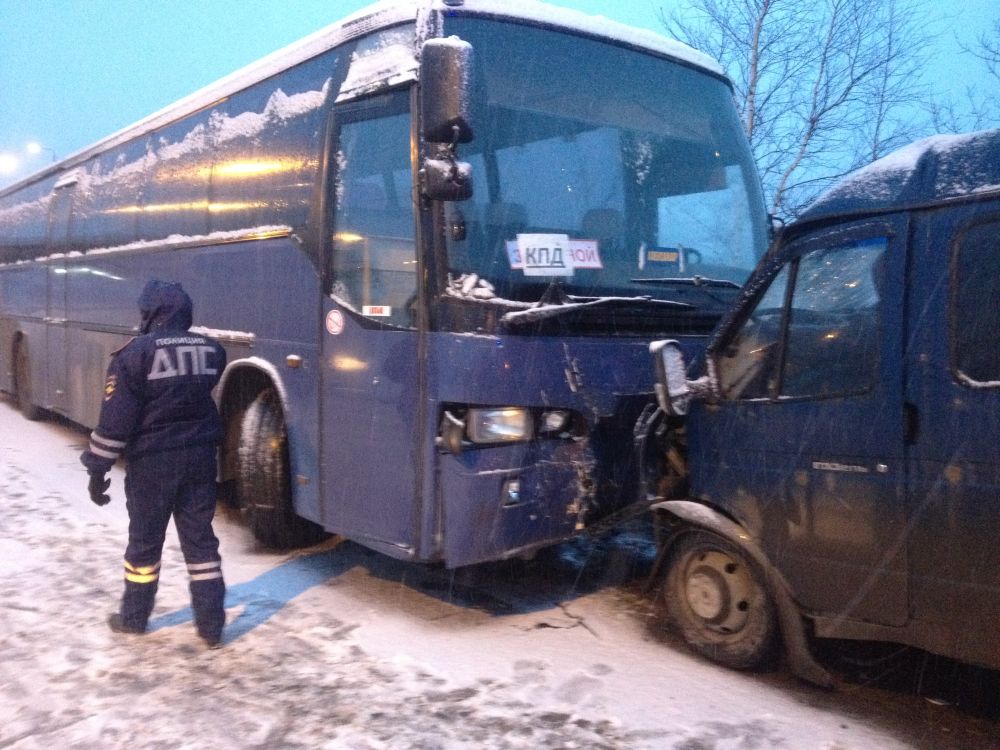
(613,171)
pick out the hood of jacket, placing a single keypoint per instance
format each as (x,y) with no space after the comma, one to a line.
(164,305)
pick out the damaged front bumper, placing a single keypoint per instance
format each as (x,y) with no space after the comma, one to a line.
(503,501)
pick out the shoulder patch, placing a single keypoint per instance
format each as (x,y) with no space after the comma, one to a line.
(109,386)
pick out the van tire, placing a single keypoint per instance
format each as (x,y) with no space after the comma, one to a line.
(22,382)
(263,486)
(718,601)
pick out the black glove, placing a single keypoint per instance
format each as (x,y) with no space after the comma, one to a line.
(97,487)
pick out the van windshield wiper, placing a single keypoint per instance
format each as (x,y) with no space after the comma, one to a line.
(544,309)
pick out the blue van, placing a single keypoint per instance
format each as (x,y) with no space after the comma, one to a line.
(842,473)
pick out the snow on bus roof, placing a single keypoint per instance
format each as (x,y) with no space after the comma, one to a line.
(575,20)
(378,16)
(932,169)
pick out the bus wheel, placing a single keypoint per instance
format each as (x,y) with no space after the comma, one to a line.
(22,382)
(262,482)
(717,599)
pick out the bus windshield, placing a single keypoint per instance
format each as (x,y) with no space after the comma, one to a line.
(614,172)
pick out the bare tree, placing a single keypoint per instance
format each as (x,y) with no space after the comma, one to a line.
(978,108)
(973,112)
(822,87)
(987,49)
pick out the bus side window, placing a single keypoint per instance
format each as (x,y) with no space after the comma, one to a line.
(374,247)
(976,304)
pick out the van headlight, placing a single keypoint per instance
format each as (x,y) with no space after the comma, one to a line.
(506,424)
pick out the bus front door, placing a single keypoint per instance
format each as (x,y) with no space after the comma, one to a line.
(370,368)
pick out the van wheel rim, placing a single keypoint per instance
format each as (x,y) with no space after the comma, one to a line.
(719,590)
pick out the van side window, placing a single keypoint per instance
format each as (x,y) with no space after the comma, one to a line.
(832,345)
(829,333)
(747,366)
(976,304)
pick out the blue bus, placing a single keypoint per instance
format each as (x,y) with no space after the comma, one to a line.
(434,239)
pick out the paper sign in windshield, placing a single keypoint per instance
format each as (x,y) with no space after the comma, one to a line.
(665,259)
(552,254)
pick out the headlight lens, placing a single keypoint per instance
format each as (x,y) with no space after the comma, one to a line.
(501,425)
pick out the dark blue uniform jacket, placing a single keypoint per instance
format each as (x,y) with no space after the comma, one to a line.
(158,392)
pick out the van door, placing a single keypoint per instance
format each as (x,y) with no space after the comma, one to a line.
(805,448)
(953,394)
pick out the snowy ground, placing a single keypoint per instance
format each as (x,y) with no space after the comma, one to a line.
(339,647)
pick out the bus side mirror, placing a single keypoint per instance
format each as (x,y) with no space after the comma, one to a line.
(445,96)
(673,391)
(445,91)
(445,179)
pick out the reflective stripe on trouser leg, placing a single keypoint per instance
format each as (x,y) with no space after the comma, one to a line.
(208,590)
(193,515)
(141,582)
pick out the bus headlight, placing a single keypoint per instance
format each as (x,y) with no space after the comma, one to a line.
(499,425)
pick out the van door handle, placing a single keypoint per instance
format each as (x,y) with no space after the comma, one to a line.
(911,423)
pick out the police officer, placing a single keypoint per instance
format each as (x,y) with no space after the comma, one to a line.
(158,412)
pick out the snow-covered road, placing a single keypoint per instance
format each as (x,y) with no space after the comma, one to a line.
(339,647)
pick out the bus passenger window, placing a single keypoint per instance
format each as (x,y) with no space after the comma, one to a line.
(976,304)
(374,249)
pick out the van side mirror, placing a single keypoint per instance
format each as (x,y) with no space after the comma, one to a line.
(673,390)
(445,90)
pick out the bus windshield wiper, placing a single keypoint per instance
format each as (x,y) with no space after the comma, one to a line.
(570,304)
(689,281)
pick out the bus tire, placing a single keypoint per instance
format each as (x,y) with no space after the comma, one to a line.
(263,485)
(715,596)
(22,382)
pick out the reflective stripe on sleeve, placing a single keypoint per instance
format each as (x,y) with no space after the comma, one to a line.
(95,435)
(105,447)
(98,451)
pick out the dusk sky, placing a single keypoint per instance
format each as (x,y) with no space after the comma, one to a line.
(74,71)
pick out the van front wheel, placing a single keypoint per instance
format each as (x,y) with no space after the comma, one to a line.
(716,597)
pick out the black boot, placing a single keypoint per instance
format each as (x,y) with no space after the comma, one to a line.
(118,625)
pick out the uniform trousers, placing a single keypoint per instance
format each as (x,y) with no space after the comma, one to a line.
(178,483)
